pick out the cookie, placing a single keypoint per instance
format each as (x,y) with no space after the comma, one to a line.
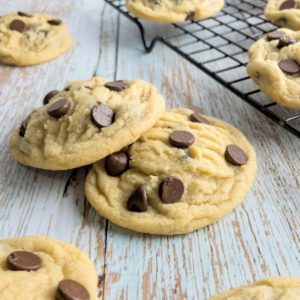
(29,39)
(284,13)
(285,288)
(85,122)
(186,172)
(174,11)
(274,66)
(39,267)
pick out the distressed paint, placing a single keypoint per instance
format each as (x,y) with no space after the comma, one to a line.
(259,239)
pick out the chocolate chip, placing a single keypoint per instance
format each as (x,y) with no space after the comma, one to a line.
(102,115)
(171,189)
(23,126)
(49,96)
(59,108)
(138,200)
(289,66)
(197,118)
(235,155)
(67,88)
(117,86)
(54,22)
(288,5)
(275,35)
(23,14)
(71,290)
(181,139)
(17,25)
(88,87)
(285,41)
(190,16)
(23,261)
(116,163)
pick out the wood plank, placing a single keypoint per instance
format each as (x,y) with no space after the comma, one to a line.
(259,239)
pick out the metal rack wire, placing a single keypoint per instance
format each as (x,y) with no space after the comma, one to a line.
(219,46)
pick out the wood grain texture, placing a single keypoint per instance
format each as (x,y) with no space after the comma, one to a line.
(261,238)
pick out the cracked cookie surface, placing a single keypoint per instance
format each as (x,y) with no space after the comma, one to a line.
(177,179)
(284,13)
(284,288)
(29,39)
(174,11)
(57,261)
(86,122)
(265,66)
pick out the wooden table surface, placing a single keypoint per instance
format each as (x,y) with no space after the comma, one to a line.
(261,238)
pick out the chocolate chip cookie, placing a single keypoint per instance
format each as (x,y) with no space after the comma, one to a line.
(85,122)
(284,13)
(39,267)
(174,11)
(29,39)
(186,172)
(285,288)
(274,66)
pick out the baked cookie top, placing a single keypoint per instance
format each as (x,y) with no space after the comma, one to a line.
(174,11)
(85,122)
(186,172)
(274,66)
(39,267)
(285,13)
(285,288)
(29,39)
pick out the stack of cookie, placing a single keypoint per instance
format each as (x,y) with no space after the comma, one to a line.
(274,60)
(154,171)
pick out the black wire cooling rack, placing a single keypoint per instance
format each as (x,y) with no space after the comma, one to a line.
(219,46)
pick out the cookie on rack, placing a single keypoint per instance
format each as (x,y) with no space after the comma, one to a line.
(284,13)
(285,288)
(274,64)
(186,172)
(39,267)
(85,122)
(173,11)
(29,39)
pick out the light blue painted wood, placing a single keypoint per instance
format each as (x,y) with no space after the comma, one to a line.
(259,239)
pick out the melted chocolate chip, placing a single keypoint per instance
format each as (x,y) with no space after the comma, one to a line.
(138,200)
(23,261)
(116,163)
(289,66)
(23,14)
(59,108)
(197,118)
(17,25)
(285,41)
(117,86)
(71,290)
(235,155)
(181,139)
(190,16)
(23,126)
(288,5)
(171,189)
(275,35)
(49,96)
(102,115)
(54,22)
